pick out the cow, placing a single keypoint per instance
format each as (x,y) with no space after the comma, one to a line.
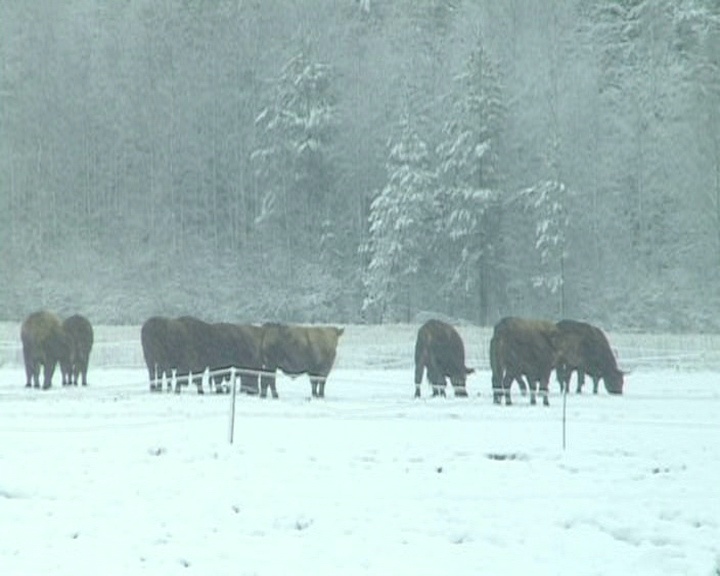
(298,350)
(238,346)
(155,339)
(199,350)
(167,349)
(44,344)
(520,348)
(80,333)
(440,350)
(584,348)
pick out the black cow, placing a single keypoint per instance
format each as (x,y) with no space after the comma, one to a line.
(44,344)
(520,348)
(238,346)
(584,348)
(298,350)
(440,350)
(80,333)
(168,349)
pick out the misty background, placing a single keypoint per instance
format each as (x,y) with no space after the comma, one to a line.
(362,161)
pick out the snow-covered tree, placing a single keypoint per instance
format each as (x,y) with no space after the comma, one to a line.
(294,162)
(547,203)
(399,224)
(468,179)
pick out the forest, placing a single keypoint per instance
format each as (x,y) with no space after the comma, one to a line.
(362,161)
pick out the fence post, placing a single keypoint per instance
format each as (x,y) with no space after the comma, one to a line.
(564,425)
(232,407)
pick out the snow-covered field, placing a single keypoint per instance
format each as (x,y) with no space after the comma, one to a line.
(114,480)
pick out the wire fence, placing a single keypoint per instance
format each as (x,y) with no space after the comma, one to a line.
(393,348)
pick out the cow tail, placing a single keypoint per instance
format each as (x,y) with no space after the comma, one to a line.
(495,364)
(419,359)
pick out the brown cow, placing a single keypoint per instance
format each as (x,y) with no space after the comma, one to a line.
(440,349)
(584,348)
(167,348)
(44,343)
(298,350)
(238,346)
(522,348)
(80,332)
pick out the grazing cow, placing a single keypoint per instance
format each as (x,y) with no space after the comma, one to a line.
(522,348)
(440,349)
(238,346)
(80,333)
(584,348)
(44,343)
(298,350)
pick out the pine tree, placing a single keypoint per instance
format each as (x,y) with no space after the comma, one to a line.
(295,161)
(468,179)
(398,224)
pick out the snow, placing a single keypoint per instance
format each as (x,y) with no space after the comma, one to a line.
(113,479)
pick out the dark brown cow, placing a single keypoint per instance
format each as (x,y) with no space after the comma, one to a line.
(44,343)
(298,350)
(80,332)
(167,349)
(238,346)
(520,348)
(584,348)
(199,350)
(440,350)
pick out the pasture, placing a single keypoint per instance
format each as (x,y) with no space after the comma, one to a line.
(115,479)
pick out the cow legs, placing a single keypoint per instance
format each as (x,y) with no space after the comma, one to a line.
(268,381)
(580,381)
(544,383)
(198,381)
(249,383)
(506,383)
(28,372)
(596,383)
(48,374)
(460,391)
(521,383)
(317,386)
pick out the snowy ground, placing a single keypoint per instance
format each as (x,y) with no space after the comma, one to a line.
(114,480)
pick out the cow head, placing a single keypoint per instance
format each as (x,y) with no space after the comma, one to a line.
(614,381)
(458,382)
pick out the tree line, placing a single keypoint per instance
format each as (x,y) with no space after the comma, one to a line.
(362,161)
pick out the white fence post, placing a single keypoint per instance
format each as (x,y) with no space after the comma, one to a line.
(564,425)
(232,407)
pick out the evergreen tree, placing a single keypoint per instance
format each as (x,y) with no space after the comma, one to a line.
(468,181)
(295,161)
(398,226)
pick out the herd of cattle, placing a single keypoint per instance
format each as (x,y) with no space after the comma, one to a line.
(48,341)
(522,350)
(182,349)
(187,347)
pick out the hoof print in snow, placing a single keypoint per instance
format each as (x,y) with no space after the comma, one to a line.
(157,451)
(506,457)
(236,509)
(460,539)
(75,535)
(184,563)
(302,524)
(439,469)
